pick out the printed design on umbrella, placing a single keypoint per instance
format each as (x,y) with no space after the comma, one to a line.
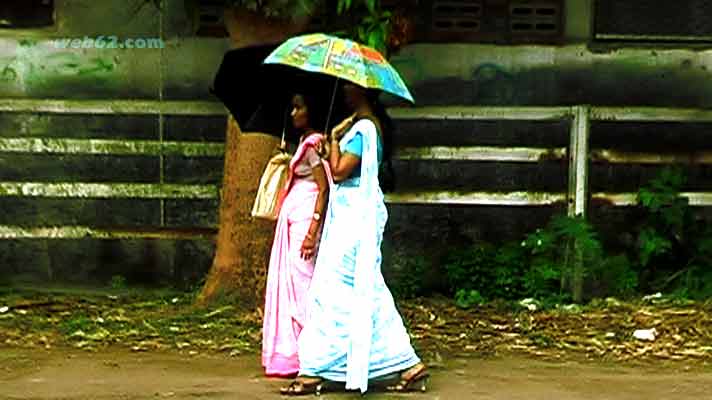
(312,54)
(342,58)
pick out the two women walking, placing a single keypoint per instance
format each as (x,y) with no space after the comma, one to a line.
(329,315)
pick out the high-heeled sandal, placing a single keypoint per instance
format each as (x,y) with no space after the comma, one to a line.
(417,382)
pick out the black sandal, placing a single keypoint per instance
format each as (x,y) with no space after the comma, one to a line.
(299,387)
(417,382)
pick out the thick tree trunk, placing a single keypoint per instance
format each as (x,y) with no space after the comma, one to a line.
(239,268)
(247,28)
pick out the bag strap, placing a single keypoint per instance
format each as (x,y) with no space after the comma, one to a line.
(283,143)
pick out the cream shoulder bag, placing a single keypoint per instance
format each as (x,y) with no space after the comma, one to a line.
(274,178)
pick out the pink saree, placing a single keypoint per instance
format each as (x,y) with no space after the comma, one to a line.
(289,276)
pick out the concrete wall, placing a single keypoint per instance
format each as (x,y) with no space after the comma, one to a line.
(580,71)
(577,73)
(33,66)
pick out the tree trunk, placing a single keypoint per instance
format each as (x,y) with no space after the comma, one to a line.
(243,245)
(247,28)
(239,269)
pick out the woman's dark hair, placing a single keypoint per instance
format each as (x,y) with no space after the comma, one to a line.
(386,174)
(316,108)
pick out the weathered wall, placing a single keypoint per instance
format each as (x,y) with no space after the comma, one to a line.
(33,66)
(557,75)
(579,72)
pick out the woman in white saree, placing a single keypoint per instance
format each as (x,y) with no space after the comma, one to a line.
(353,331)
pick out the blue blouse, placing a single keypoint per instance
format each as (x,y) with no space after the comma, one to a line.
(355,147)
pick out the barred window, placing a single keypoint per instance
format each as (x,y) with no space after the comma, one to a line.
(653,20)
(496,21)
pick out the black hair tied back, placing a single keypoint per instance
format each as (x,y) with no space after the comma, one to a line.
(386,173)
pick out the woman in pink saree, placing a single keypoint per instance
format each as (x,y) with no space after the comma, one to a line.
(295,245)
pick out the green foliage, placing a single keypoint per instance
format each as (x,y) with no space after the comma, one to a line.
(118,282)
(510,267)
(411,280)
(470,267)
(661,195)
(666,215)
(466,298)
(373,25)
(674,250)
(494,273)
(617,275)
(652,243)
(278,8)
(367,21)
(551,252)
(79,322)
(537,266)
(695,281)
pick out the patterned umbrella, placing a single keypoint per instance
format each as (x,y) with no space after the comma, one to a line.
(342,58)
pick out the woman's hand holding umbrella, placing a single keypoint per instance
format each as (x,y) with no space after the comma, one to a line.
(338,131)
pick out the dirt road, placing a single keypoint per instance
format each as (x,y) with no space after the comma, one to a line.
(118,374)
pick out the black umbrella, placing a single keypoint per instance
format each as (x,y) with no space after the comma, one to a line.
(259,95)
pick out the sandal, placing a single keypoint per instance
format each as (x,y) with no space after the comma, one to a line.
(300,387)
(416,381)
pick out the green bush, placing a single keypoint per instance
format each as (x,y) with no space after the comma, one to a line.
(491,272)
(540,266)
(466,298)
(118,282)
(409,275)
(674,251)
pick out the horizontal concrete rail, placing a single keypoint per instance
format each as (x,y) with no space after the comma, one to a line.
(481,153)
(462,153)
(81,232)
(108,190)
(650,114)
(110,147)
(471,198)
(212,108)
(701,199)
(108,107)
(478,198)
(173,191)
(627,157)
(482,113)
(207,149)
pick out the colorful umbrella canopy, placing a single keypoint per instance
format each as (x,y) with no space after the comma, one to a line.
(341,58)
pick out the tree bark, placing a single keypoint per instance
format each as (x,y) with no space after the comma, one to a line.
(247,28)
(239,268)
